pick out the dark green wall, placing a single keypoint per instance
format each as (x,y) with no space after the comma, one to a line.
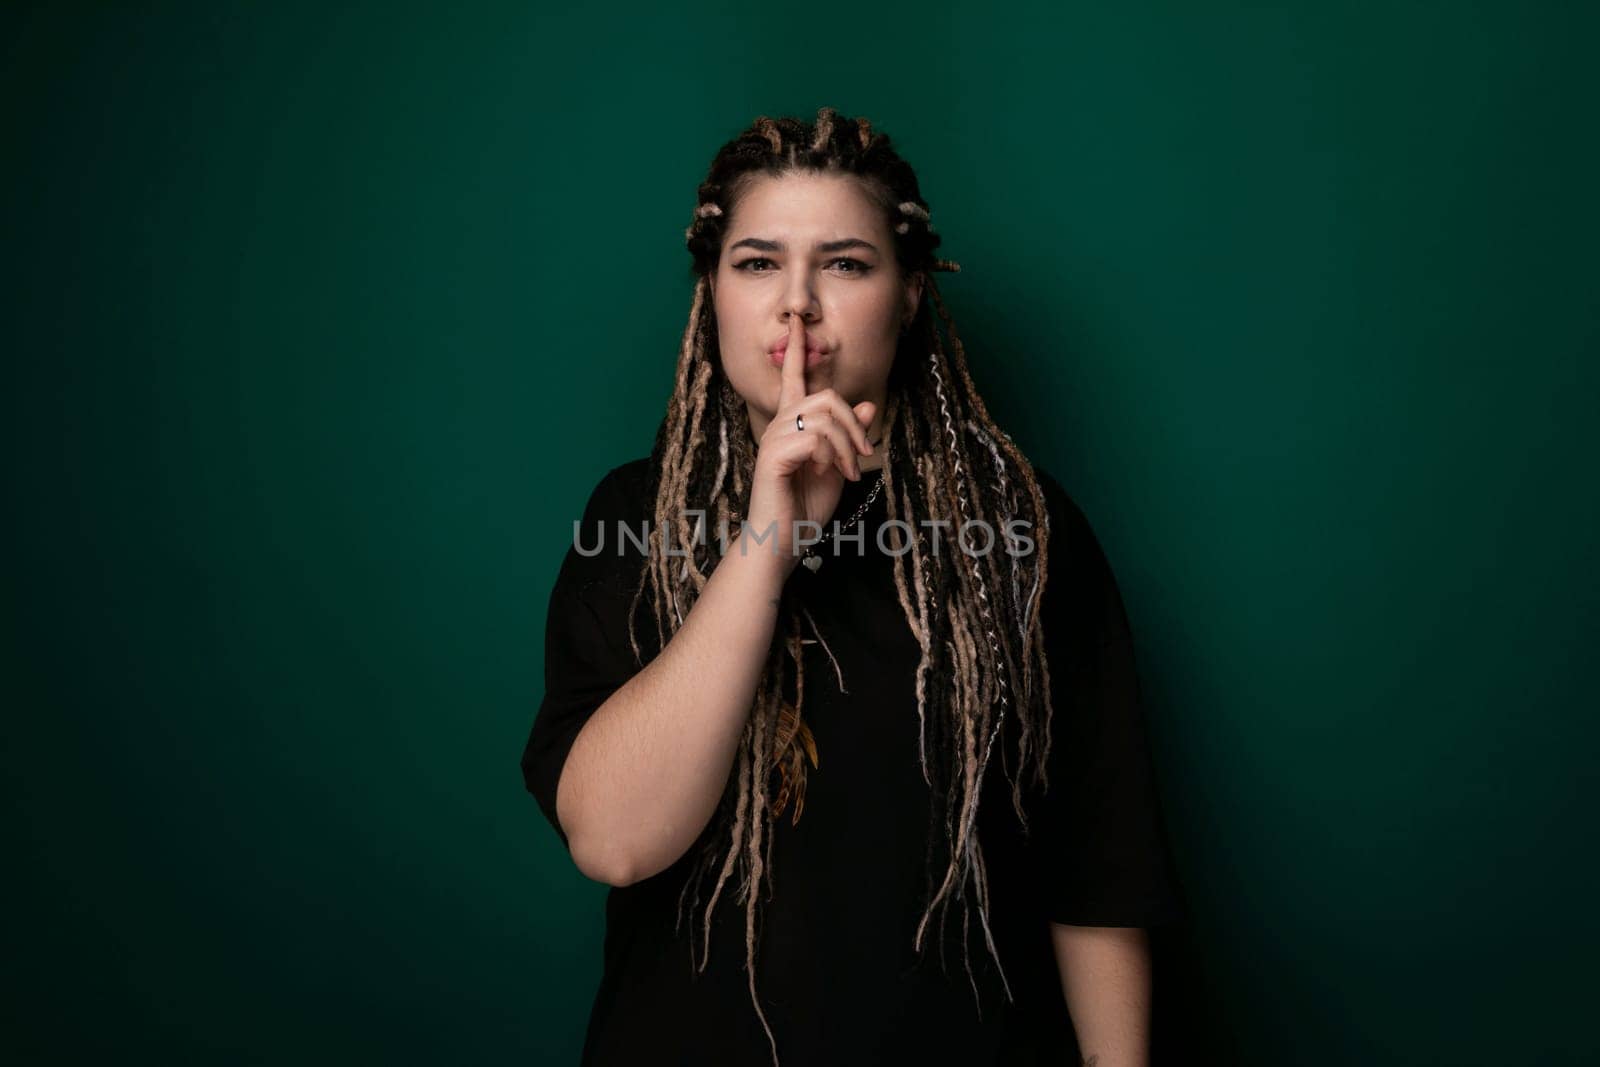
(319,327)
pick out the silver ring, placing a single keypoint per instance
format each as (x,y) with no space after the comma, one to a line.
(800,423)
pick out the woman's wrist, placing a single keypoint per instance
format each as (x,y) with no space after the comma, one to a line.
(762,557)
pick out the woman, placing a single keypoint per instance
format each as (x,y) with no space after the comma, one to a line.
(774,747)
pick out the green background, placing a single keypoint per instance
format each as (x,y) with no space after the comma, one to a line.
(320,325)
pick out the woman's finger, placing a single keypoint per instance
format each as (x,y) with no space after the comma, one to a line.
(823,454)
(795,449)
(829,401)
(821,420)
(792,383)
(844,449)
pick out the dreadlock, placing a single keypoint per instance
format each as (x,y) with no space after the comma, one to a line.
(975,618)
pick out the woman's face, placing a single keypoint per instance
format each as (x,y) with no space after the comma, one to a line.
(810,245)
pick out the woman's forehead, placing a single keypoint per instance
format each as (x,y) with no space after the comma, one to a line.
(805,205)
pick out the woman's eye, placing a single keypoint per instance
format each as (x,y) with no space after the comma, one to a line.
(856,266)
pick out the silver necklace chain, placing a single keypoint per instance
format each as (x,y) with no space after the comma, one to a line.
(811,559)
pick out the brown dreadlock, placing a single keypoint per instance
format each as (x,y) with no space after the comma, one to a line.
(975,617)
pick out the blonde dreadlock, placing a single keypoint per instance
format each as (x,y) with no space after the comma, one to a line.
(975,619)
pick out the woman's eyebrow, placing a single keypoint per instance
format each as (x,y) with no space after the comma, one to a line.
(822,246)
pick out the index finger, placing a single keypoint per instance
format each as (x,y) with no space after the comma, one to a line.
(792,386)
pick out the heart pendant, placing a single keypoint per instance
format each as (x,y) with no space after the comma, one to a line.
(812,563)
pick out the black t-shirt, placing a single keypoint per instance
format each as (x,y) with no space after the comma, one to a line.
(839,980)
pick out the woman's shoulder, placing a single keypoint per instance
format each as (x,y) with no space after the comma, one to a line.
(607,546)
(1082,600)
(1069,525)
(622,492)
(634,474)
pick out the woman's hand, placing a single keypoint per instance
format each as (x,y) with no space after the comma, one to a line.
(799,474)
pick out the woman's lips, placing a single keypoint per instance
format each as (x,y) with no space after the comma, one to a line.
(814,356)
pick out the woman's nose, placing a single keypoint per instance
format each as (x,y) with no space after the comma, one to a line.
(800,302)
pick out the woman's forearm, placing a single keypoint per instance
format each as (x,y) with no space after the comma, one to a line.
(1105,976)
(644,775)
